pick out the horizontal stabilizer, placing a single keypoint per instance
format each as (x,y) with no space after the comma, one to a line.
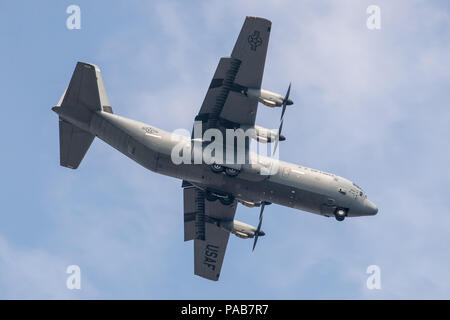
(73,144)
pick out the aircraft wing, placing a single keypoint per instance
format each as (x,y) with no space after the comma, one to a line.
(226,104)
(202,224)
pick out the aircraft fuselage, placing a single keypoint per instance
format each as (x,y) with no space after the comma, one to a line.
(292,185)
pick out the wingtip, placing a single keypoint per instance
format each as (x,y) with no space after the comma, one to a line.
(258,18)
(89,65)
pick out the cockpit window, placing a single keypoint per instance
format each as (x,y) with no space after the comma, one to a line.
(359,188)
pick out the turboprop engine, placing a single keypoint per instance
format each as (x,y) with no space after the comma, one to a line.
(266,97)
(265,135)
(240,229)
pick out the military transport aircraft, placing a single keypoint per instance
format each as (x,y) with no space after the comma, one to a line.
(212,190)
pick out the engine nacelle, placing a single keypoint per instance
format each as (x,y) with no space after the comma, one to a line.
(250,204)
(266,97)
(241,235)
(240,229)
(266,135)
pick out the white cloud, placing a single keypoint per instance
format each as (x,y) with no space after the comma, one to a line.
(29,273)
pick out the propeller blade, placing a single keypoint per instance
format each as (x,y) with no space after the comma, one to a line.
(283,110)
(275,147)
(277,140)
(258,229)
(285,101)
(254,243)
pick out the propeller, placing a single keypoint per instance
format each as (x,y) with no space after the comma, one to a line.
(258,229)
(283,110)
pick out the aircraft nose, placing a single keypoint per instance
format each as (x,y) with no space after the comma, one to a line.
(370,208)
(289,102)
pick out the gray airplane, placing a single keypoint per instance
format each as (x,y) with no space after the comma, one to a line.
(212,191)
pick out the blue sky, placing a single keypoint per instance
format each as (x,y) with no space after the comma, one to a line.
(372,106)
